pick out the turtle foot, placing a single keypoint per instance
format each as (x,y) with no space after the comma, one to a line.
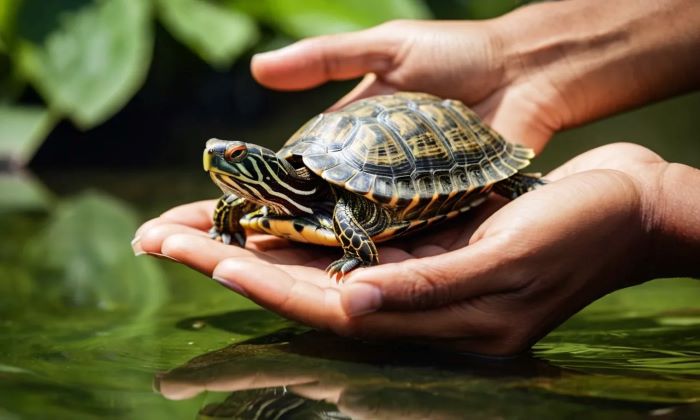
(227,238)
(338,269)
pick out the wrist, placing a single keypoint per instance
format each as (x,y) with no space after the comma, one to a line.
(582,60)
(673,219)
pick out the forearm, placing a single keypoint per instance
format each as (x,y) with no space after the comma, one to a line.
(597,57)
(674,222)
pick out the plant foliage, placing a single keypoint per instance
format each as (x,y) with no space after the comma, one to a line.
(87,58)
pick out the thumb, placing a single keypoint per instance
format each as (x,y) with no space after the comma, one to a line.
(314,61)
(430,282)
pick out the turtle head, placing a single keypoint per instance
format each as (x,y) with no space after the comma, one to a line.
(229,157)
(257,174)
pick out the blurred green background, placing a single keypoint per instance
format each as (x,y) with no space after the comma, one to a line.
(104,108)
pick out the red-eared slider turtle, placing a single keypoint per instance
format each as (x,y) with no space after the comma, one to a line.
(374,170)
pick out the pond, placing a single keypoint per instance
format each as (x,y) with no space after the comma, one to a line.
(89,331)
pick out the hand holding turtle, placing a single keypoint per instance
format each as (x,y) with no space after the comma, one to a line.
(497,295)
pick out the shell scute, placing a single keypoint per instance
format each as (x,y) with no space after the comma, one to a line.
(460,180)
(322,160)
(339,174)
(476,175)
(361,183)
(382,190)
(426,145)
(379,151)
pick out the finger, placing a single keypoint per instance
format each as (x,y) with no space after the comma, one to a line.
(151,240)
(299,299)
(197,215)
(296,293)
(145,227)
(370,85)
(625,157)
(314,61)
(429,282)
(202,253)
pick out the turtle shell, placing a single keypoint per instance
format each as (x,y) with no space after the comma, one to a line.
(406,149)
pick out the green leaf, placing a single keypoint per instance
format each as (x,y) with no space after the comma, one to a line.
(23,130)
(217,34)
(317,17)
(20,191)
(8,13)
(85,255)
(87,59)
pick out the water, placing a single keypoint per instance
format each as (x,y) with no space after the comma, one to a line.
(89,331)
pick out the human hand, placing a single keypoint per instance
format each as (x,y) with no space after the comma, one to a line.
(493,287)
(451,59)
(529,73)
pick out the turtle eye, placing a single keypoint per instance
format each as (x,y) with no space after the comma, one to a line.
(235,154)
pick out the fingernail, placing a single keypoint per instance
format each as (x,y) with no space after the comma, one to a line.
(158,255)
(136,246)
(262,55)
(361,299)
(229,284)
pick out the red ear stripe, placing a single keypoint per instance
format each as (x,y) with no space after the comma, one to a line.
(235,153)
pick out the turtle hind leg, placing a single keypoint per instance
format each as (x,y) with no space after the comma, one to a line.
(358,248)
(518,184)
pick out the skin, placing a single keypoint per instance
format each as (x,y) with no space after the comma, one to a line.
(612,217)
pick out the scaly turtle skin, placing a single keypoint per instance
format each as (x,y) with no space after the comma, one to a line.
(372,171)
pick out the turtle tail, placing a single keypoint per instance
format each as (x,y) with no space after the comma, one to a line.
(518,184)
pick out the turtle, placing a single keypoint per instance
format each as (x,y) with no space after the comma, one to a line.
(377,169)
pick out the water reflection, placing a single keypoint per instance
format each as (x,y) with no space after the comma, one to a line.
(297,373)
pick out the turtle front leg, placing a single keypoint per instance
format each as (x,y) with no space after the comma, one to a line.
(358,248)
(227,215)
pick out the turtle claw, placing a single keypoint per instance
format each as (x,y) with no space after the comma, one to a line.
(213,233)
(240,239)
(338,269)
(227,238)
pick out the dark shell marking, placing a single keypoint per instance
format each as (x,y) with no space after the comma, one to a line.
(414,153)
